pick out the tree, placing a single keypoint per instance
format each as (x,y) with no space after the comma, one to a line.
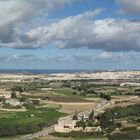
(22,99)
(108,97)
(104,122)
(91,115)
(74,93)
(81,124)
(45,98)
(13,94)
(35,102)
(17,88)
(105,96)
(112,117)
(75,117)
(2,99)
(83,93)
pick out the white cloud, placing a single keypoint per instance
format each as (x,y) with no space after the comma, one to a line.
(82,58)
(18,57)
(15,12)
(118,57)
(129,6)
(108,57)
(84,31)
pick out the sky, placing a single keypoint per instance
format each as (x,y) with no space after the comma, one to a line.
(70,34)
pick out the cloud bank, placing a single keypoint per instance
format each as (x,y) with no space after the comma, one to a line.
(13,13)
(82,30)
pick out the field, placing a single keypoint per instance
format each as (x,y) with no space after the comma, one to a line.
(57,95)
(24,118)
(10,138)
(66,92)
(76,107)
(71,107)
(27,122)
(57,138)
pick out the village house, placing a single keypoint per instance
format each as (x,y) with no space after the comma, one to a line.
(83,118)
(13,102)
(65,125)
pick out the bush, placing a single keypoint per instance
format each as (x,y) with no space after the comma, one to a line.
(35,102)
(74,93)
(125,135)
(29,106)
(129,128)
(105,96)
(78,134)
(121,112)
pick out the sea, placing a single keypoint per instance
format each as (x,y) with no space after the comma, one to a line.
(36,71)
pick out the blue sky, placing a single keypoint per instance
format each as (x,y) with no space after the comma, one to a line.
(70,34)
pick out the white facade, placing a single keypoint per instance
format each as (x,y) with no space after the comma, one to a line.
(13,102)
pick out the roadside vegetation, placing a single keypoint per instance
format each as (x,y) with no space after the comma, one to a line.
(80,135)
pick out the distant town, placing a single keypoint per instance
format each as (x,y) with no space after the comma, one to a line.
(105,75)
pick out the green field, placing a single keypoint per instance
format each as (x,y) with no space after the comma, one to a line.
(27,122)
(66,92)
(10,138)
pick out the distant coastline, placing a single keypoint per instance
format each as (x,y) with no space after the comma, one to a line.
(53,71)
(42,71)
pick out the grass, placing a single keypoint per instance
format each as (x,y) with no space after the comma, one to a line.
(9,138)
(132,135)
(8,106)
(31,121)
(40,115)
(81,135)
(99,138)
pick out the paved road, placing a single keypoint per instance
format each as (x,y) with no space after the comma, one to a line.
(43,133)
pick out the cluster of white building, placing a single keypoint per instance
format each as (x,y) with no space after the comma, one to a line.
(67,125)
(70,76)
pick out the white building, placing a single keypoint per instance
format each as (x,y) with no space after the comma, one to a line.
(65,125)
(13,102)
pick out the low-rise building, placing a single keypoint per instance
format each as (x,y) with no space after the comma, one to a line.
(65,125)
(13,102)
